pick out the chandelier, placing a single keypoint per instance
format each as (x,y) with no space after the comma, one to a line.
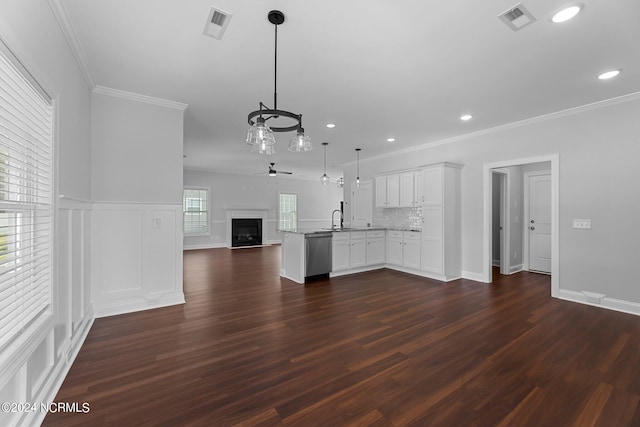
(260,136)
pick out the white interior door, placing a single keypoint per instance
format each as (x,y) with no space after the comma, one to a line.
(540,223)
(362,214)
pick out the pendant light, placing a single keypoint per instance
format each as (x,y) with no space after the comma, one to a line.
(260,136)
(324,179)
(340,182)
(358,167)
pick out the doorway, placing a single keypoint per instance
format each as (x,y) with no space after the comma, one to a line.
(553,173)
(499,224)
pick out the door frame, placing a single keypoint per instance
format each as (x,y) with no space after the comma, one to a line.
(505,237)
(526,215)
(487,170)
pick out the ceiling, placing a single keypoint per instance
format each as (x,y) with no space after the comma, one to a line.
(377,69)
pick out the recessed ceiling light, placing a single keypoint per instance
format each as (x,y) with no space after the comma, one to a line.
(609,74)
(331,125)
(566,13)
(466,117)
(391,140)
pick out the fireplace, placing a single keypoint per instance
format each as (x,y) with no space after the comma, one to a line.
(246,232)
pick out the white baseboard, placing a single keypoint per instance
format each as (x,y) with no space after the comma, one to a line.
(137,303)
(608,303)
(476,277)
(223,245)
(207,246)
(516,268)
(52,385)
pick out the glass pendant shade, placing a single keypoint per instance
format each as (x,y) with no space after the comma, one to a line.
(340,182)
(300,141)
(324,179)
(260,133)
(264,148)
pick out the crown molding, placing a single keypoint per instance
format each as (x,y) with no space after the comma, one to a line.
(101,90)
(69,32)
(513,125)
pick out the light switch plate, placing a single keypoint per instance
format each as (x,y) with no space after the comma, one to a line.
(584,224)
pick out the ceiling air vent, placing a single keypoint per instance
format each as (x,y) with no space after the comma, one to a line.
(217,23)
(517,17)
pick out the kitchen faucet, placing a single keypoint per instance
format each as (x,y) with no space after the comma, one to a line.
(333,227)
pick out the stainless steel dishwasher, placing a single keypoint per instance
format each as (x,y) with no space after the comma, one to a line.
(317,254)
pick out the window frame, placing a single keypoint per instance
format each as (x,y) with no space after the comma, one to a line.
(207,211)
(18,347)
(297,219)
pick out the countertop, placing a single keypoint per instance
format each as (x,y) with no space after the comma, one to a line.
(339,230)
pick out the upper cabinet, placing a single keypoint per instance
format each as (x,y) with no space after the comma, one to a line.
(399,190)
(388,191)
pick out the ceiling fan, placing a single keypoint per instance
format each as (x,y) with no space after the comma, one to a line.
(273,172)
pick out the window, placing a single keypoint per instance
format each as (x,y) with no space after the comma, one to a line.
(26,201)
(288,212)
(195,211)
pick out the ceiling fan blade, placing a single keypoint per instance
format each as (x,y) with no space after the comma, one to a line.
(285,172)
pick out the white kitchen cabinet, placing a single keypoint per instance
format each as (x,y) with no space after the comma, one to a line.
(403,248)
(410,189)
(340,250)
(393,191)
(358,249)
(376,247)
(388,191)
(441,252)
(381,191)
(349,250)
(411,249)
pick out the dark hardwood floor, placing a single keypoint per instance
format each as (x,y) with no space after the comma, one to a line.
(381,348)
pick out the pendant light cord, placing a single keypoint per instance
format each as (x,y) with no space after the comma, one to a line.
(325,159)
(275,71)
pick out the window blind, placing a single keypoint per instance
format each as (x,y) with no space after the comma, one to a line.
(288,212)
(195,211)
(26,192)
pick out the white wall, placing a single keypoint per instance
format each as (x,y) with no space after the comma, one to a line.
(598,179)
(137,193)
(35,372)
(315,202)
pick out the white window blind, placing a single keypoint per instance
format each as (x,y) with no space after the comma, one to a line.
(196,211)
(26,209)
(288,212)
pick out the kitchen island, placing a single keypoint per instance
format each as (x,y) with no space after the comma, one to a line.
(312,252)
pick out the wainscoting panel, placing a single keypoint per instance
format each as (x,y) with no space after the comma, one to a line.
(137,257)
(35,372)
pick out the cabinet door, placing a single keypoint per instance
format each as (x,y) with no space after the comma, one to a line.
(432,239)
(340,254)
(381,191)
(432,185)
(393,191)
(407,189)
(358,253)
(411,254)
(375,251)
(394,251)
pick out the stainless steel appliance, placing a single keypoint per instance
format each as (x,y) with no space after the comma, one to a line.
(317,254)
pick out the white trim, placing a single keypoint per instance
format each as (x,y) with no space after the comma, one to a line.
(555,215)
(204,246)
(71,37)
(471,275)
(525,214)
(496,129)
(516,268)
(117,93)
(137,303)
(52,385)
(607,303)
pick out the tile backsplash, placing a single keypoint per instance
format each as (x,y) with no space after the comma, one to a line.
(398,217)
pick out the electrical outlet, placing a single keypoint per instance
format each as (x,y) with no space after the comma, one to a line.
(584,224)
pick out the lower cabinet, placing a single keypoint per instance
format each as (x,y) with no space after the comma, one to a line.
(403,248)
(340,251)
(375,247)
(358,249)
